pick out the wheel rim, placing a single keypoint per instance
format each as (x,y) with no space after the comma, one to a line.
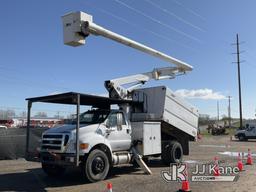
(98,165)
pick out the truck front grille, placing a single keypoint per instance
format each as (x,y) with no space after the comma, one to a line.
(54,142)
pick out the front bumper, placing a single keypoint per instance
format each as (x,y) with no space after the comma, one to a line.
(67,159)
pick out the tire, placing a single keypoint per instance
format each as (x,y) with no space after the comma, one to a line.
(241,137)
(53,170)
(172,153)
(96,166)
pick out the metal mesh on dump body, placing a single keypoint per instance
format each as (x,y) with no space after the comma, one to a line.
(13,141)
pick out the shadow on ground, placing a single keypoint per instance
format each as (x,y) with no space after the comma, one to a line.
(37,180)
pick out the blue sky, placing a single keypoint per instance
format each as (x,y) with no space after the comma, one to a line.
(34,61)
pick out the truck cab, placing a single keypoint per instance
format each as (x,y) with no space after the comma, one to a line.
(96,126)
(107,128)
(249,132)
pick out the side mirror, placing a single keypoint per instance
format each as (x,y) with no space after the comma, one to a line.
(107,124)
(119,121)
(110,129)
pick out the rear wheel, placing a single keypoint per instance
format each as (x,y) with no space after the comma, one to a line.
(172,153)
(96,166)
(53,170)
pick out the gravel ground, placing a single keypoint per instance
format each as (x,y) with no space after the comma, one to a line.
(19,175)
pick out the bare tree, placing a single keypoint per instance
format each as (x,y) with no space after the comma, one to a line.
(23,114)
(41,114)
(7,114)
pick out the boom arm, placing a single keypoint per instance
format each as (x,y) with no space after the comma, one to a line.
(78,25)
(117,89)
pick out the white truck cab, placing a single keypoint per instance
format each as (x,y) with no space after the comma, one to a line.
(96,126)
(99,128)
(249,132)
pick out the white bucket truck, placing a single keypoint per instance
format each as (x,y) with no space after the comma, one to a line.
(148,121)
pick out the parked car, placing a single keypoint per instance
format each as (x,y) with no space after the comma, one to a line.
(3,127)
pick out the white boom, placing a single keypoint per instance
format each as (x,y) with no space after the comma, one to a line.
(78,25)
(117,89)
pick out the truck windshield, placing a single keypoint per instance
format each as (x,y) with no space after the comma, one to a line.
(94,116)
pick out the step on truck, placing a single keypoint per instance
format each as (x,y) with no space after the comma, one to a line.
(129,126)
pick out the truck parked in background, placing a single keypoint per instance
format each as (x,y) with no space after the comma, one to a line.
(249,132)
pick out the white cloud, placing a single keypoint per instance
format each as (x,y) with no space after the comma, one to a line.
(207,94)
(55,93)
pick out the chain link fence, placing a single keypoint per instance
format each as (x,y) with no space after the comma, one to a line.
(13,141)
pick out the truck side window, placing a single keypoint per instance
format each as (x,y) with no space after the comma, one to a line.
(124,122)
(112,120)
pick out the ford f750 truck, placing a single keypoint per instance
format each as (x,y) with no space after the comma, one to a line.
(128,126)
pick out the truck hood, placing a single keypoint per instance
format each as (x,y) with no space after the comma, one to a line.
(72,128)
(240,131)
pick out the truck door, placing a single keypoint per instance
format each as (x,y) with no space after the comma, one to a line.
(119,137)
(250,132)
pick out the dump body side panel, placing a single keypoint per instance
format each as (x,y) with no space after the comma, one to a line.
(161,104)
(180,114)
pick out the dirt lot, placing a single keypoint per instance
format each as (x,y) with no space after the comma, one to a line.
(19,175)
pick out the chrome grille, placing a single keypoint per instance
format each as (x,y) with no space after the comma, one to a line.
(54,142)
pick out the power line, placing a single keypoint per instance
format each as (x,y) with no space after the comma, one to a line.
(189,10)
(2,67)
(11,78)
(142,28)
(30,84)
(157,21)
(174,15)
(35,110)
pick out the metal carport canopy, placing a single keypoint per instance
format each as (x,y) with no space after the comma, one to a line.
(85,99)
(71,98)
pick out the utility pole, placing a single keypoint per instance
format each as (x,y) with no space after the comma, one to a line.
(239,80)
(218,113)
(229,112)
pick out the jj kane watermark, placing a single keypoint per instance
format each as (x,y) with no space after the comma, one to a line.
(201,173)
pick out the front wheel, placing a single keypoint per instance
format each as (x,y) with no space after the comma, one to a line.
(172,153)
(242,137)
(96,166)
